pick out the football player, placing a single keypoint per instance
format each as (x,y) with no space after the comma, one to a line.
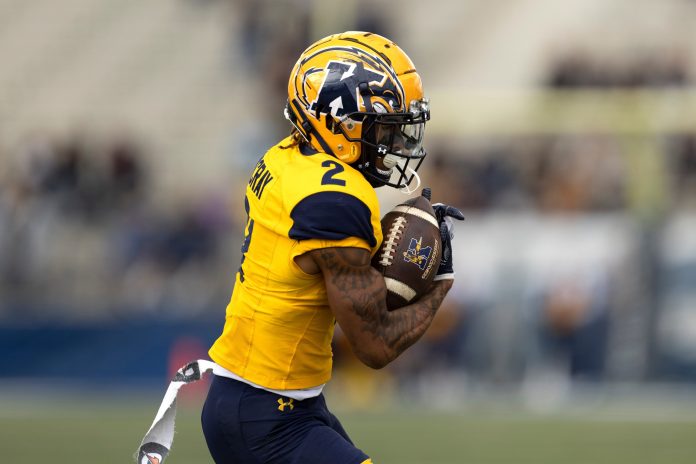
(358,113)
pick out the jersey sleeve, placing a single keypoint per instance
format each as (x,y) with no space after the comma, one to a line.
(327,203)
(331,218)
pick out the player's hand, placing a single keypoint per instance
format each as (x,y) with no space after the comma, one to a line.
(445,214)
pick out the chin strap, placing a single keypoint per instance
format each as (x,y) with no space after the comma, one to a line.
(291,118)
(406,189)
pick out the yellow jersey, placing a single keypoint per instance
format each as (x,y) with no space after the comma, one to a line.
(278,324)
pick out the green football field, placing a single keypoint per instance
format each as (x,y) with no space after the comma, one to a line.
(87,430)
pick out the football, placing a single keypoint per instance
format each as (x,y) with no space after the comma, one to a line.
(410,252)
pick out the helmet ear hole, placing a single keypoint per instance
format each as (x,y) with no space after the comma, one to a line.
(354,152)
(349,154)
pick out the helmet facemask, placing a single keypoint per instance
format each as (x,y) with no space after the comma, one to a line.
(392,145)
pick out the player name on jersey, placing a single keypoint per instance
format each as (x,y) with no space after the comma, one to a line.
(260,178)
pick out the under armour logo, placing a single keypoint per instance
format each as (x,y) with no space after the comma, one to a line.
(381,149)
(282,404)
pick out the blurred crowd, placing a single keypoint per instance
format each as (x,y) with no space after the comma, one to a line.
(547,174)
(81,234)
(648,69)
(571,173)
(558,174)
(77,179)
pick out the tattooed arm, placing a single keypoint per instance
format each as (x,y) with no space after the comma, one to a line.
(357,295)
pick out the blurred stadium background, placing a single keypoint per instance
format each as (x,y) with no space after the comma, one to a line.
(566,130)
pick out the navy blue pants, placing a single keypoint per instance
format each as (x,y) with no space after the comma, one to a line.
(247,425)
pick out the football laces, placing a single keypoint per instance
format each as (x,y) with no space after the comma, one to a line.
(395,231)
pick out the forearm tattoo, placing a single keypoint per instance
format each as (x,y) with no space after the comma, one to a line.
(362,288)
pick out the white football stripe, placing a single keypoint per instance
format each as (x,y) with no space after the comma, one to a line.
(417,212)
(400,288)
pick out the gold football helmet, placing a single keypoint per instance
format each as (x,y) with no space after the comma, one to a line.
(357,96)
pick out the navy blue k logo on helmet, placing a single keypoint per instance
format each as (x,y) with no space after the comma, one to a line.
(340,90)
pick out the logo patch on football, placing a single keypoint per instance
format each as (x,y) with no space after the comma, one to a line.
(417,254)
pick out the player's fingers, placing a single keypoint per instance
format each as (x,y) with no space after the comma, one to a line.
(444,234)
(439,209)
(451,211)
(450,226)
(442,211)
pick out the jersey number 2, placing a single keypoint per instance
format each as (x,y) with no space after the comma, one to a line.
(328,178)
